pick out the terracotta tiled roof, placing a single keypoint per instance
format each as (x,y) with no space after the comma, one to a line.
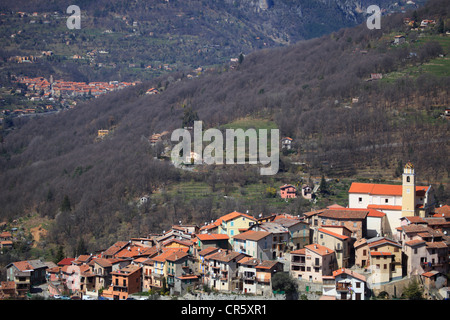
(319,249)
(211,236)
(301,251)
(443,211)
(345,214)
(116,247)
(382,242)
(165,254)
(415,242)
(350,273)
(382,189)
(234,215)
(336,235)
(312,213)
(378,253)
(249,261)
(384,207)
(252,235)
(436,245)
(267,264)
(103,262)
(207,251)
(177,255)
(23,265)
(225,255)
(66,262)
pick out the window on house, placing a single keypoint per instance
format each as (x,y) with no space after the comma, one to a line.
(359,199)
(384,266)
(408,179)
(358,285)
(386,200)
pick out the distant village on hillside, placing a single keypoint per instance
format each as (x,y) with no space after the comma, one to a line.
(388,237)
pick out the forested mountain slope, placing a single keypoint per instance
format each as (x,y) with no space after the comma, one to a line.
(184,34)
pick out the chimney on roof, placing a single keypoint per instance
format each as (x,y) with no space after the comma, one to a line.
(315,246)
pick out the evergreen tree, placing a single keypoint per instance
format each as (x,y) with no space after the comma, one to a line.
(65,206)
(189,117)
(413,291)
(59,255)
(81,247)
(323,187)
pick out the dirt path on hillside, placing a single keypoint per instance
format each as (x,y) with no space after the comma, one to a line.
(37,233)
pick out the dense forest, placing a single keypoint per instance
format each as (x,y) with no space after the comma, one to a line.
(54,166)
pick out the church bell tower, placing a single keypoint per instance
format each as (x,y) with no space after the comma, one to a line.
(408,191)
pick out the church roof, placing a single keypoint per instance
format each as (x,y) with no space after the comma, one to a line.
(383,189)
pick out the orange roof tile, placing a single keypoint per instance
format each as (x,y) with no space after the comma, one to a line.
(234,215)
(349,272)
(252,235)
(381,189)
(212,236)
(336,235)
(384,207)
(378,253)
(319,249)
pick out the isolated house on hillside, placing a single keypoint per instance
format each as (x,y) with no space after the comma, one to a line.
(286,143)
(399,39)
(288,191)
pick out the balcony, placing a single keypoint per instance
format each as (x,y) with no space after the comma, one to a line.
(298,261)
(342,286)
(248,276)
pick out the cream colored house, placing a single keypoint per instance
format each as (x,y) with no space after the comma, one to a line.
(234,223)
(338,238)
(364,257)
(312,262)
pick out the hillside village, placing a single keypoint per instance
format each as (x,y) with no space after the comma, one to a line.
(387,238)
